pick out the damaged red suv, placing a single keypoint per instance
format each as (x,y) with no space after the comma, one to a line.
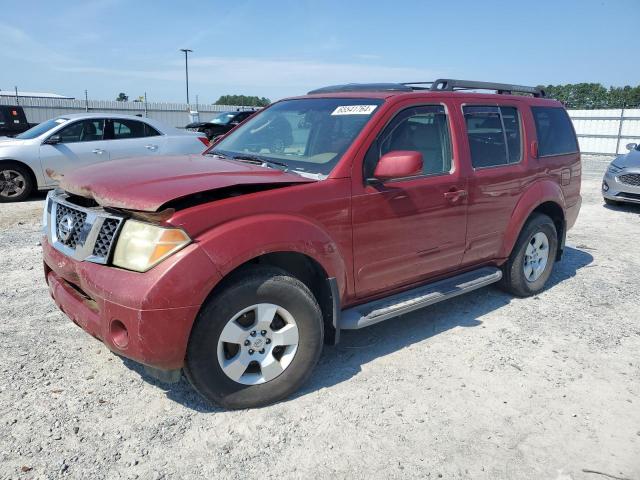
(336,210)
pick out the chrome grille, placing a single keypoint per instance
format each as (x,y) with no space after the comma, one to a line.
(630,179)
(82,233)
(76,219)
(106,234)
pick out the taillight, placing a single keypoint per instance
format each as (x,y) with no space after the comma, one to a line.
(204,140)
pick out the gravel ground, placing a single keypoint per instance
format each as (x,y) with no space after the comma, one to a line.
(484,386)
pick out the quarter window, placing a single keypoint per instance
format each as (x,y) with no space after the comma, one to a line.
(83,131)
(422,129)
(555,133)
(494,135)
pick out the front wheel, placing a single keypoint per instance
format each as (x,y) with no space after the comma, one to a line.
(256,341)
(16,183)
(532,258)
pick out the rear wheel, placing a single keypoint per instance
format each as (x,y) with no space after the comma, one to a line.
(16,182)
(532,258)
(256,341)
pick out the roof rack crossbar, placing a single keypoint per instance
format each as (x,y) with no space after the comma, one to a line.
(449,84)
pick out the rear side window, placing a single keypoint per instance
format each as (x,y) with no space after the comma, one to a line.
(555,133)
(123,129)
(494,135)
(423,129)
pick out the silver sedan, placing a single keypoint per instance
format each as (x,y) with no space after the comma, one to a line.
(72,141)
(621,182)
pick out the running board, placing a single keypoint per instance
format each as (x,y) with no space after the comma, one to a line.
(379,310)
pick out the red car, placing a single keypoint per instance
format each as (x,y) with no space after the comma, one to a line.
(237,265)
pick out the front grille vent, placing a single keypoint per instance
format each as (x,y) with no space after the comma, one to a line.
(73,220)
(105,237)
(632,179)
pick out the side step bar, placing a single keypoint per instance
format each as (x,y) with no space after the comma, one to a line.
(379,310)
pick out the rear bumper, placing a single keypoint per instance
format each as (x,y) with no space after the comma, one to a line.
(571,213)
(146,317)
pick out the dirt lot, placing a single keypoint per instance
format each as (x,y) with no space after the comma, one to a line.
(484,386)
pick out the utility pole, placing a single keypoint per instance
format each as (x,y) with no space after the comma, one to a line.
(186,68)
(86,101)
(17,99)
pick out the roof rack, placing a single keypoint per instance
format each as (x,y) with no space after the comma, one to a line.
(450,85)
(440,85)
(363,87)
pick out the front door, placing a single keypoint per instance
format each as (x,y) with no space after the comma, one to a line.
(407,230)
(81,143)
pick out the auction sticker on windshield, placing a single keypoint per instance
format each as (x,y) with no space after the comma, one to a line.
(354,110)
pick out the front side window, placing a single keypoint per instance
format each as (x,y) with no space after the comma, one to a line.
(422,129)
(308,136)
(494,135)
(555,133)
(83,131)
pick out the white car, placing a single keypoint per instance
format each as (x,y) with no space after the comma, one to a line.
(28,161)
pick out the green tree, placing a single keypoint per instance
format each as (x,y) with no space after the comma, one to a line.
(122,97)
(243,100)
(594,95)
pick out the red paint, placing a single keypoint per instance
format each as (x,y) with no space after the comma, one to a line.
(374,238)
(398,164)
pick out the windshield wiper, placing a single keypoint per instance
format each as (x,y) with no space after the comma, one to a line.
(260,161)
(218,154)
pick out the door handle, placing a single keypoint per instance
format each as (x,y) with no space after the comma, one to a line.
(455,196)
(97,151)
(151,147)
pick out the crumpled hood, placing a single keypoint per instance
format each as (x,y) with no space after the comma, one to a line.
(631,159)
(147,183)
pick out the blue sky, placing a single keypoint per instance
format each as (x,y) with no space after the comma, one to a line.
(281,48)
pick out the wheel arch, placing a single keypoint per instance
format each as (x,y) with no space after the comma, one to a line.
(545,198)
(30,170)
(304,268)
(293,243)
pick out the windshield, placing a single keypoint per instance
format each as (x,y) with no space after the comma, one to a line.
(41,128)
(223,118)
(307,135)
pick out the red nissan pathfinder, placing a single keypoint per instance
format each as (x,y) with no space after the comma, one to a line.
(333,211)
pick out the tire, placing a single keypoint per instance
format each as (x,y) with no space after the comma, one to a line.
(249,292)
(526,279)
(16,182)
(613,203)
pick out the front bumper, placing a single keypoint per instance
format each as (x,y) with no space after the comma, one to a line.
(614,189)
(146,317)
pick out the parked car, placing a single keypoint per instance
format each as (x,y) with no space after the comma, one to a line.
(235,266)
(621,182)
(69,142)
(13,121)
(220,124)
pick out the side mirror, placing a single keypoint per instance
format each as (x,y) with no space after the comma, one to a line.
(398,164)
(632,146)
(53,140)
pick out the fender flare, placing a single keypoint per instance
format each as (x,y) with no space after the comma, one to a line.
(234,243)
(540,192)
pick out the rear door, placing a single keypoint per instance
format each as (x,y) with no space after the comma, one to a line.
(495,140)
(132,138)
(81,143)
(407,230)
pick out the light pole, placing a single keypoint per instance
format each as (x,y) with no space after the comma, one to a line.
(186,68)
